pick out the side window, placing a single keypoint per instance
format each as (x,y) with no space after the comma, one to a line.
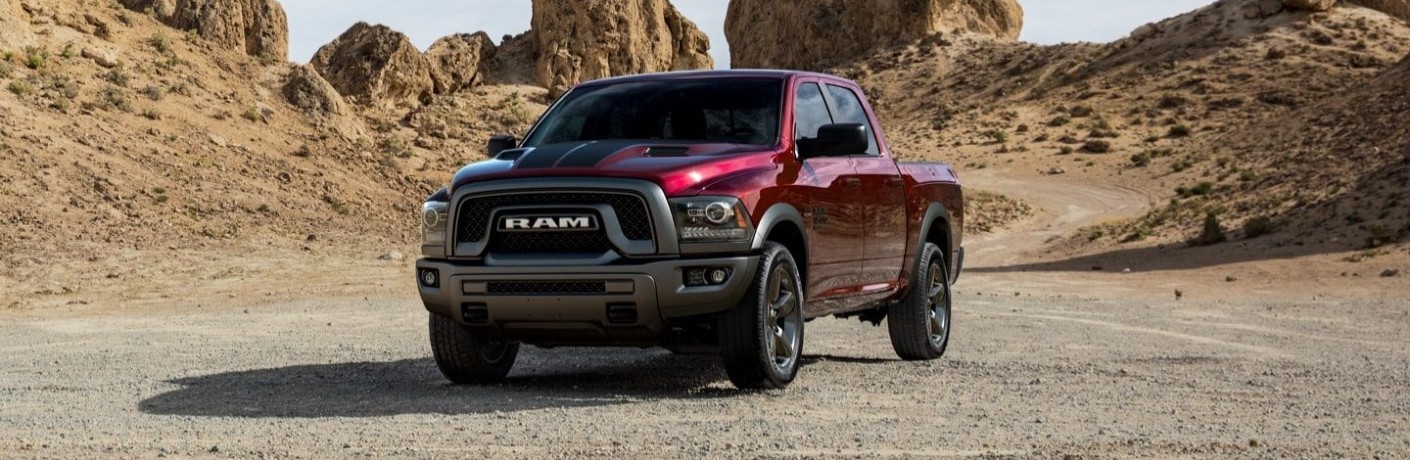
(850,110)
(812,111)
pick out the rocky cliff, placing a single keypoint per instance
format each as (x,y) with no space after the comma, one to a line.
(257,27)
(585,40)
(815,35)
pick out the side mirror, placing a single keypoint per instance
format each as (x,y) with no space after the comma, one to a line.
(837,140)
(499,143)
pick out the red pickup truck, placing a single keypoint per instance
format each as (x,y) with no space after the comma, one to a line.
(704,212)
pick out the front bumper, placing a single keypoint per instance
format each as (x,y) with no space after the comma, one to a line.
(655,291)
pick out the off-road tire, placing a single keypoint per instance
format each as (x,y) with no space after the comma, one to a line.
(465,359)
(912,321)
(750,332)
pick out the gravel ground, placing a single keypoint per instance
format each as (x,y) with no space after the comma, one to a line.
(1026,377)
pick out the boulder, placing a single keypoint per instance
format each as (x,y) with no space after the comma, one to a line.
(310,93)
(14,26)
(375,65)
(256,27)
(818,34)
(459,61)
(581,40)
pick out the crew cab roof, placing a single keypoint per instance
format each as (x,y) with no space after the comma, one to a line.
(707,74)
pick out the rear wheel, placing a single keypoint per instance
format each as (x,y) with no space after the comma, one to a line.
(920,323)
(761,339)
(464,358)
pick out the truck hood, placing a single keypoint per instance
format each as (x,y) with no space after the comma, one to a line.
(680,169)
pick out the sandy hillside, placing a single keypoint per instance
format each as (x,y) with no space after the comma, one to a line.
(1280,125)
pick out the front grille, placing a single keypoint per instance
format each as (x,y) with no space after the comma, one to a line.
(588,242)
(631,211)
(547,288)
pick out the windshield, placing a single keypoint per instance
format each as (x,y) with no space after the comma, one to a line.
(737,111)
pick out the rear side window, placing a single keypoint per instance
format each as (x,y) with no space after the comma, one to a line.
(850,110)
(812,111)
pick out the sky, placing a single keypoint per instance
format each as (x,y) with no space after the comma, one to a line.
(313,23)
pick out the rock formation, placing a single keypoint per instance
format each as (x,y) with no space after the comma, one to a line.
(817,34)
(256,27)
(583,40)
(459,61)
(311,94)
(375,65)
(14,26)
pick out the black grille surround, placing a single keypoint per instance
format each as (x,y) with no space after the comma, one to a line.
(474,215)
(534,288)
(585,242)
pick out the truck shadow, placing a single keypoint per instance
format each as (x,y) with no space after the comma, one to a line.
(543,379)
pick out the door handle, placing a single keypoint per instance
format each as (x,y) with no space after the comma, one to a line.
(852,183)
(895,182)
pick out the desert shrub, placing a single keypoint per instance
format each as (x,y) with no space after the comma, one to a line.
(35,57)
(1104,134)
(1096,146)
(997,136)
(151,114)
(1141,160)
(1200,189)
(1065,150)
(253,114)
(159,42)
(1023,128)
(1212,233)
(6,69)
(1179,131)
(118,76)
(154,93)
(64,87)
(1259,226)
(115,97)
(1172,102)
(1059,121)
(21,88)
(1081,111)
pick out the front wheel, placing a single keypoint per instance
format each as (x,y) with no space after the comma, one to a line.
(466,359)
(920,323)
(761,339)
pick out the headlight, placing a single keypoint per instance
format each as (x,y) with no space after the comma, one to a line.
(712,220)
(434,216)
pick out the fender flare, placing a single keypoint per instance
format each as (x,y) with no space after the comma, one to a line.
(778,214)
(935,213)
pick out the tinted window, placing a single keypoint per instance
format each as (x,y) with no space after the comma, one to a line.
(812,111)
(731,111)
(850,110)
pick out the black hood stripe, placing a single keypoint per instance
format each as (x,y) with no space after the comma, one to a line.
(546,156)
(592,154)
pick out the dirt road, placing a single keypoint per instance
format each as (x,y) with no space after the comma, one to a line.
(1029,377)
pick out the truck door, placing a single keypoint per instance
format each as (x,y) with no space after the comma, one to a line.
(883,197)
(833,211)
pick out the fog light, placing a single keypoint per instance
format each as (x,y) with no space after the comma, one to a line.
(718,276)
(430,278)
(707,276)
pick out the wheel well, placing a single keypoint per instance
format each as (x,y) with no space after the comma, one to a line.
(940,235)
(790,236)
